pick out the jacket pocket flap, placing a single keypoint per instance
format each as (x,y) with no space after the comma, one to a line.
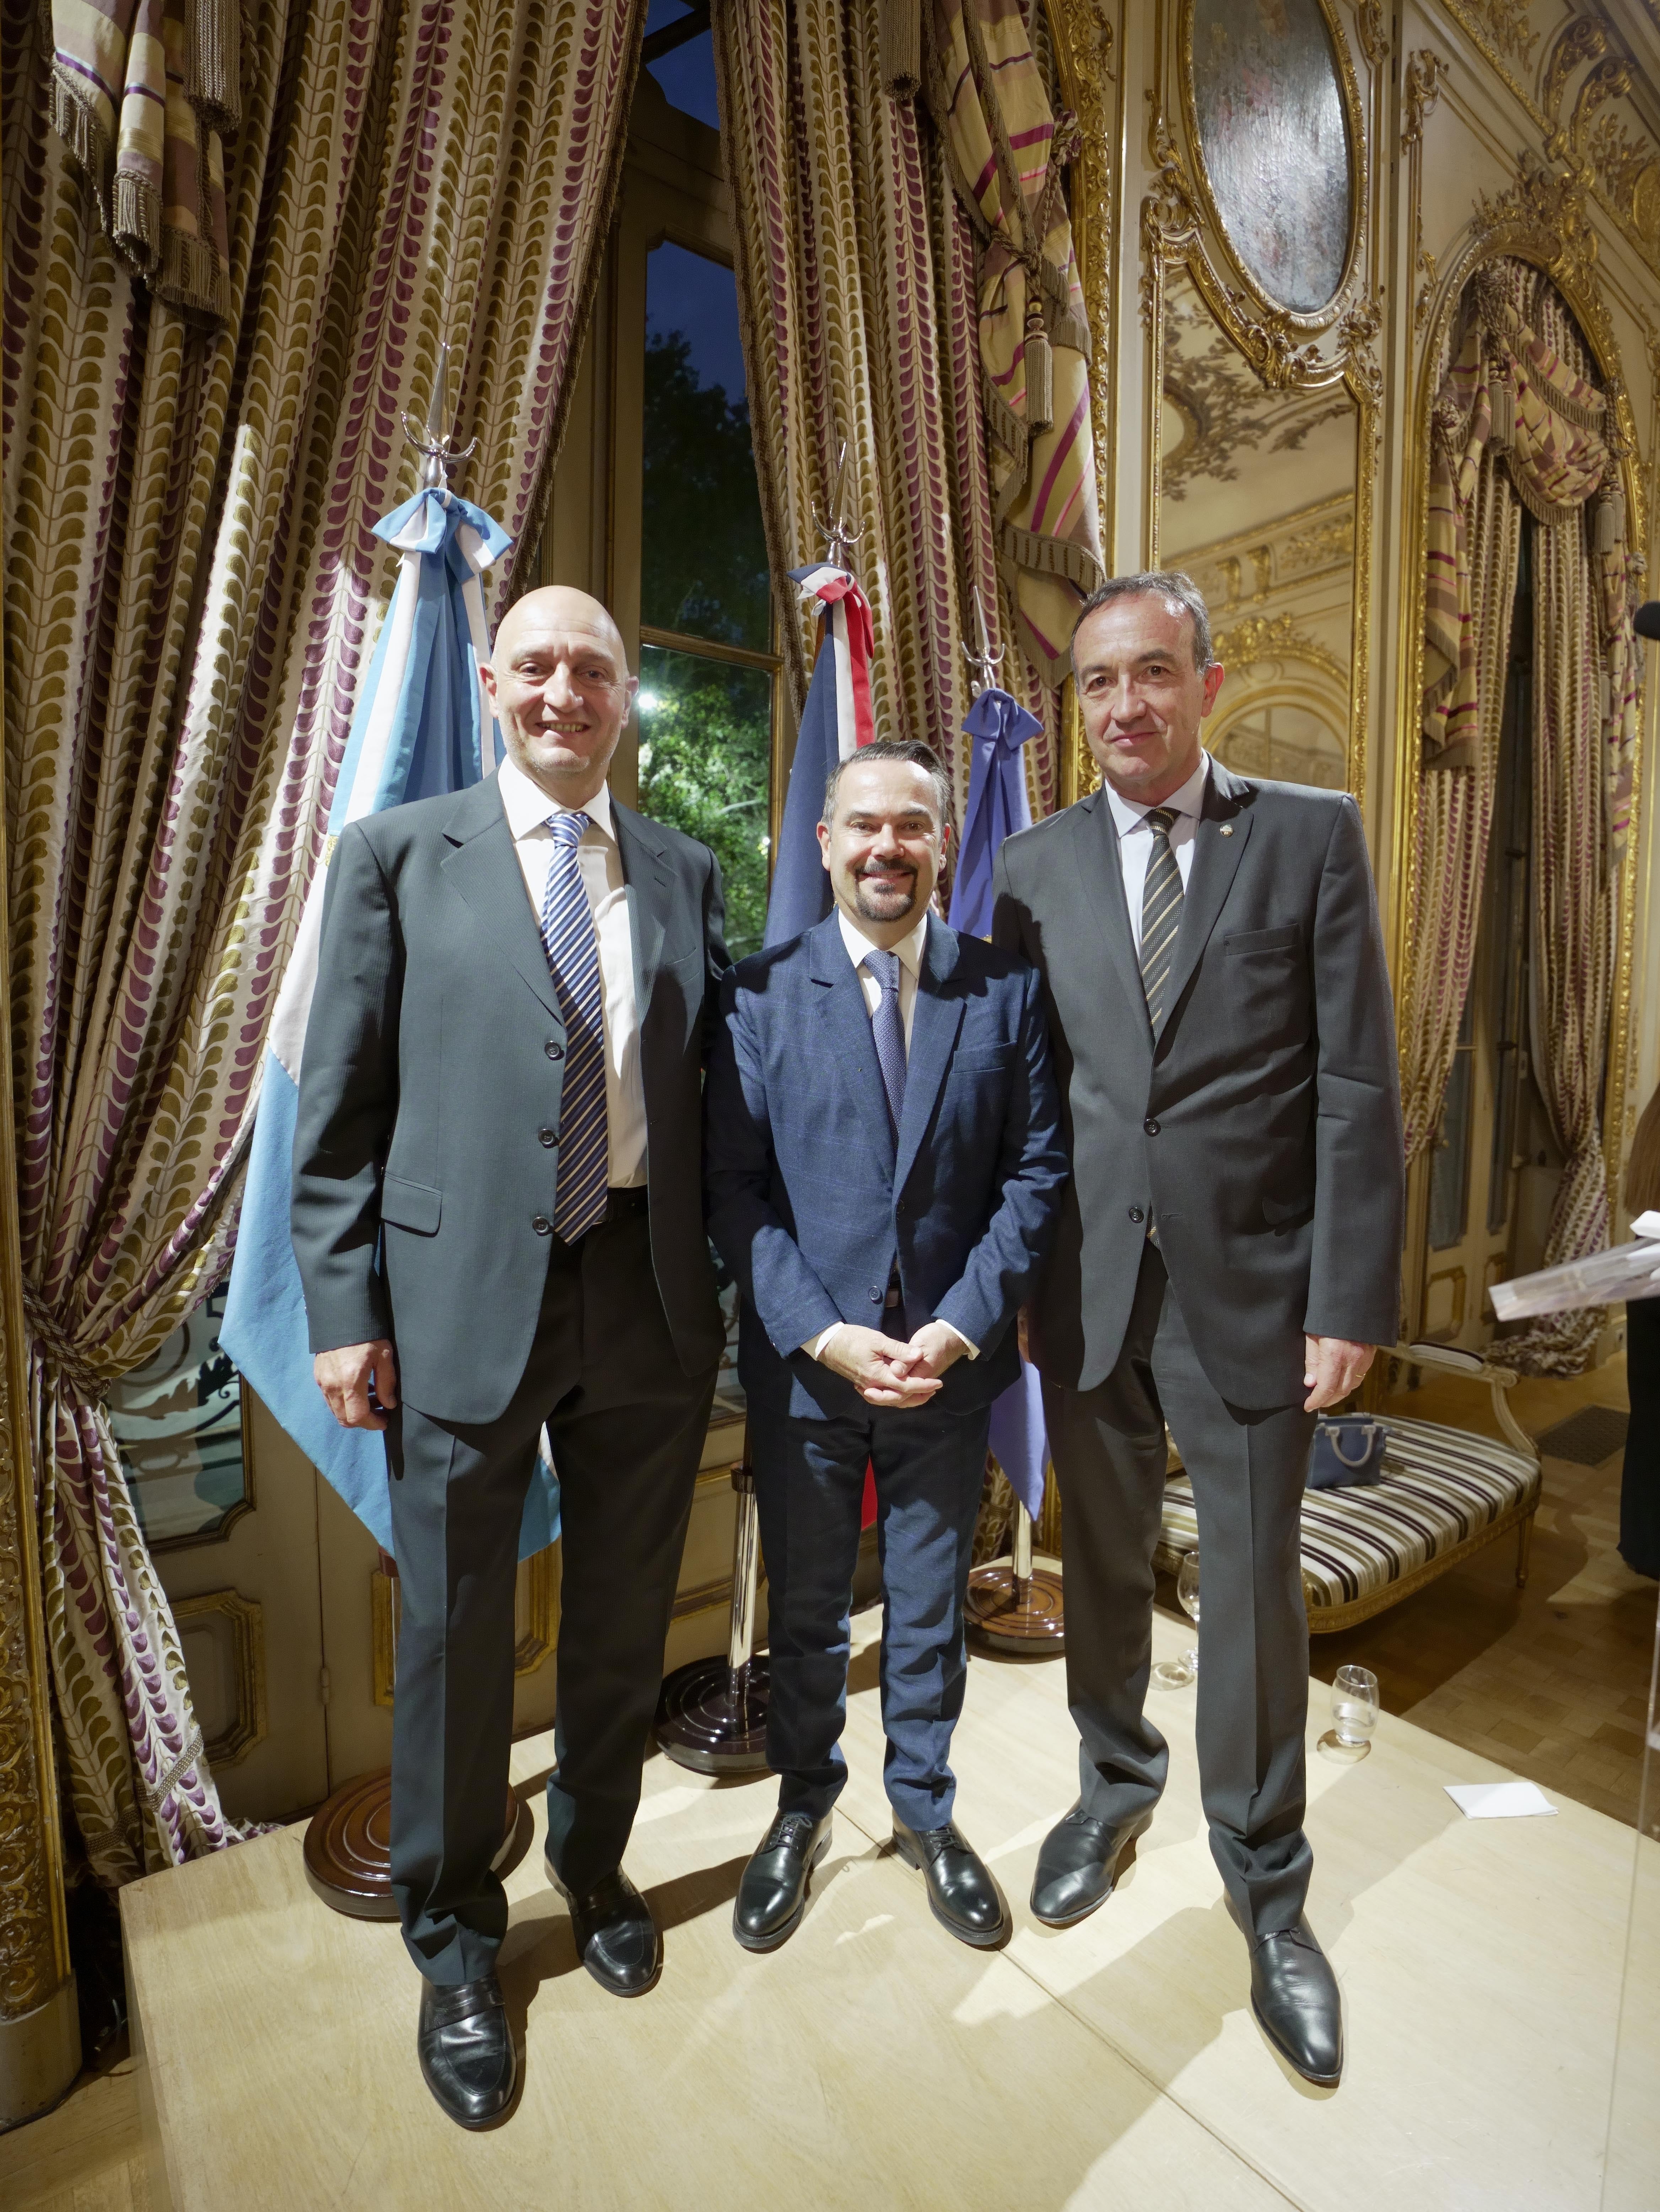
(1262,940)
(1278,1210)
(973,1057)
(410,1205)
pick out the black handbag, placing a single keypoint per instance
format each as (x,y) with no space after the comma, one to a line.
(1349,1451)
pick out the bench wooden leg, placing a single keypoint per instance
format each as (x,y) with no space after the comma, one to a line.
(1524,1547)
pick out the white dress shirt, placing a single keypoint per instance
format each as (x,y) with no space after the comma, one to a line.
(909,950)
(527,808)
(1135,839)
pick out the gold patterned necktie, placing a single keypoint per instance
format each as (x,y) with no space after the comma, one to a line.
(1161,912)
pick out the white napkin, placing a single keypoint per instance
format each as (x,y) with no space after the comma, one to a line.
(1498,1801)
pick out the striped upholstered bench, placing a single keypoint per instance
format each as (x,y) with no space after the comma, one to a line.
(1445,1494)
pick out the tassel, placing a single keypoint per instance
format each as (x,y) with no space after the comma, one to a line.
(899,27)
(1609,520)
(1501,398)
(1039,369)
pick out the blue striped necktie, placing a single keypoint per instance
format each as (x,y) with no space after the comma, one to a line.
(573,944)
(887,1026)
(1161,912)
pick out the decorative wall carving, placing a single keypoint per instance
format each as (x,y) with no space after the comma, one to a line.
(1581,39)
(1369,22)
(1424,73)
(1260,637)
(1501,25)
(243,1623)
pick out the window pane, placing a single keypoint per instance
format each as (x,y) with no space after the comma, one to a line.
(703,553)
(685,73)
(177,1425)
(705,740)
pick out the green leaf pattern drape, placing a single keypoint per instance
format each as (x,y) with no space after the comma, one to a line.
(192,597)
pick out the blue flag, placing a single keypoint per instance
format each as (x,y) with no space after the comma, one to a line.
(421,727)
(836,719)
(998,802)
(997,806)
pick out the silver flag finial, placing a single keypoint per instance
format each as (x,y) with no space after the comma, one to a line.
(985,664)
(836,528)
(440,456)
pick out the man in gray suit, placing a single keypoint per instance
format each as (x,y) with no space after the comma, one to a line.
(515,989)
(1228,1254)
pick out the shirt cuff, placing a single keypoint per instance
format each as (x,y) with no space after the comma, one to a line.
(971,1350)
(815,1346)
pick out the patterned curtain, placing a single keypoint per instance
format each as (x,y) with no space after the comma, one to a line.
(191,600)
(1007,152)
(856,288)
(1519,419)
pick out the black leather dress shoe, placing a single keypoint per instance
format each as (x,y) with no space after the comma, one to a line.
(466,2049)
(772,1895)
(1294,1995)
(616,1937)
(961,1893)
(1079,1865)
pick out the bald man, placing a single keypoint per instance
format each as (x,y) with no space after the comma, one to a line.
(515,986)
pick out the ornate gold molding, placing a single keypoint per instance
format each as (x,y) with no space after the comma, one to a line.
(245,1623)
(1275,637)
(1500,26)
(1334,351)
(1369,22)
(1421,90)
(1581,39)
(34,1944)
(1084,55)
(537,1643)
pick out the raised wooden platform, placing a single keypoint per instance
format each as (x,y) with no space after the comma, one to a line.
(873,2063)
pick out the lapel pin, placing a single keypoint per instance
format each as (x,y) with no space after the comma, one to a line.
(1225,830)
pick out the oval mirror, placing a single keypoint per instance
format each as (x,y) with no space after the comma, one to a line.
(1273,130)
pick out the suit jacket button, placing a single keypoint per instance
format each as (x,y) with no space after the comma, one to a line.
(1151,1126)
(1135,1213)
(548,1136)
(554,1049)
(541,1224)
(875,1297)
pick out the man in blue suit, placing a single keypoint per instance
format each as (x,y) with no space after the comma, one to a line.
(885,1170)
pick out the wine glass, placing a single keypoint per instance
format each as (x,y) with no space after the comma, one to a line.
(1354,1713)
(1177,1673)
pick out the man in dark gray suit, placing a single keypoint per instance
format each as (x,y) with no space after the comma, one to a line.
(1228,1254)
(515,989)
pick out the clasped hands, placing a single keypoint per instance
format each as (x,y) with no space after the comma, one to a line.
(885,1372)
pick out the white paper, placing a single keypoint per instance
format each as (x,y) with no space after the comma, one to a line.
(1627,1271)
(1646,1225)
(1498,1801)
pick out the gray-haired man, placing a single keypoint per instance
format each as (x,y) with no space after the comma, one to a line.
(1228,1253)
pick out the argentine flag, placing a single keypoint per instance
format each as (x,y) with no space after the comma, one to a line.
(421,727)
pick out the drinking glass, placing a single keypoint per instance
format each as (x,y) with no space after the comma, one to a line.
(1177,1673)
(1354,1713)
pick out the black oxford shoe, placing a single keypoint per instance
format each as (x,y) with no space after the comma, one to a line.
(1079,1865)
(466,2049)
(772,1895)
(1294,1995)
(616,1937)
(961,1893)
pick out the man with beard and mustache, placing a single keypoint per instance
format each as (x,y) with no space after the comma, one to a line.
(884,1172)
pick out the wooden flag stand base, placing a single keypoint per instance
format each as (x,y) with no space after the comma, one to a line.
(1016,1610)
(712,1715)
(348,1838)
(348,1846)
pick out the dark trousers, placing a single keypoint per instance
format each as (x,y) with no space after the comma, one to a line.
(1639,1481)
(628,1428)
(809,1485)
(1247,1469)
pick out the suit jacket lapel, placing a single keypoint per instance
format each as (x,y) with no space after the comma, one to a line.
(1100,872)
(841,1008)
(935,1017)
(645,872)
(1217,858)
(484,870)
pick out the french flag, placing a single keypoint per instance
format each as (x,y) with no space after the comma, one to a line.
(835,721)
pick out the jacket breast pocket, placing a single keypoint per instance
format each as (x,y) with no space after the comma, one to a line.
(413,1206)
(983,1058)
(1245,941)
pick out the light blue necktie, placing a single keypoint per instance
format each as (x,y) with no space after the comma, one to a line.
(572,943)
(888,1030)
